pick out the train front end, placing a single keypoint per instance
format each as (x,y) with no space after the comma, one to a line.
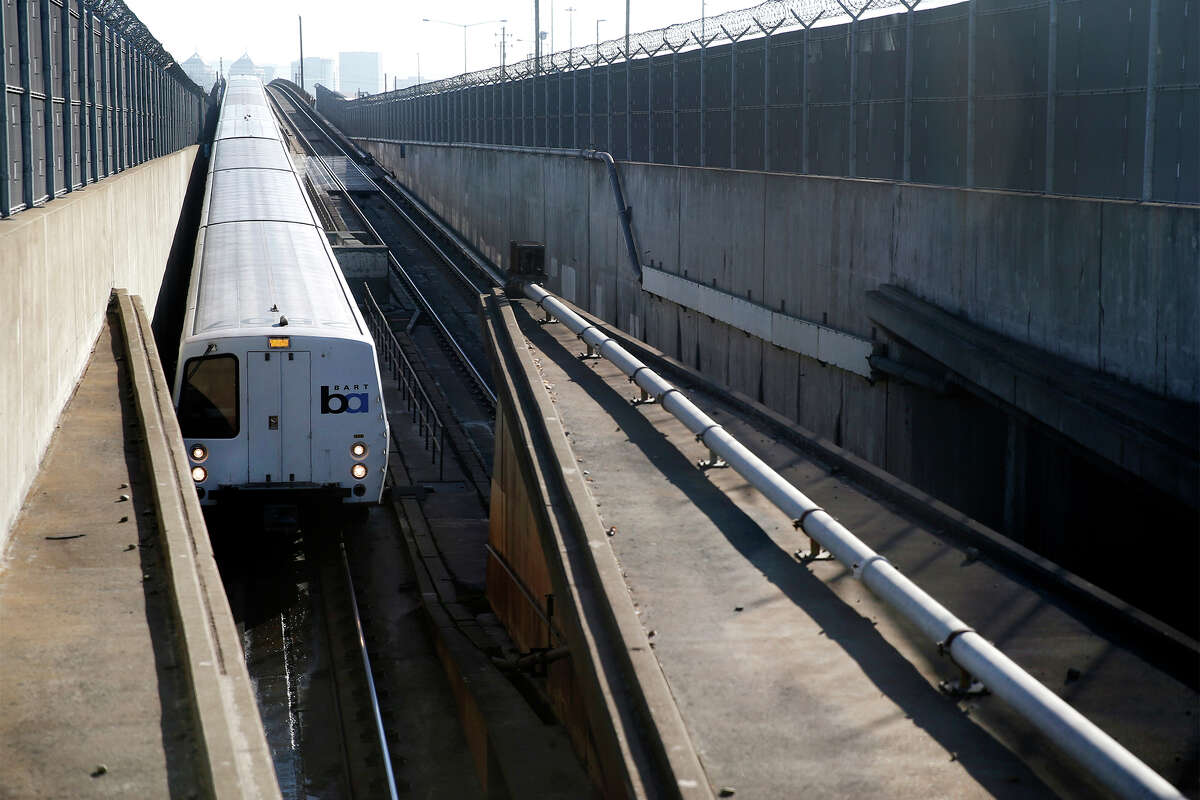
(282,414)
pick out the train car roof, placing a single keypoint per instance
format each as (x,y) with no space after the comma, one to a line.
(263,246)
(243,153)
(238,195)
(246,119)
(248,268)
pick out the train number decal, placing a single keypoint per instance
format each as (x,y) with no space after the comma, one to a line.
(342,402)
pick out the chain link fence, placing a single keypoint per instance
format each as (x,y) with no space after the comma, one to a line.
(1057,96)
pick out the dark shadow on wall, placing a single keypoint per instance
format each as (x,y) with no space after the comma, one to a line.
(171,302)
(178,727)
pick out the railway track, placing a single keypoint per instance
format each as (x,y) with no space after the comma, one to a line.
(436,282)
(289,584)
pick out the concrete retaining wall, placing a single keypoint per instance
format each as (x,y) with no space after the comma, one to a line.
(1111,285)
(58,265)
(1108,284)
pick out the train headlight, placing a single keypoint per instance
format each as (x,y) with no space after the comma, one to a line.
(358,450)
(199,474)
(199,452)
(359,471)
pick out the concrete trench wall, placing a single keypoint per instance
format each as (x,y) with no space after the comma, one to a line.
(58,264)
(1108,284)
(1112,285)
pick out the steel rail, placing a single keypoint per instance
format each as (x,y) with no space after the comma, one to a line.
(366,662)
(496,278)
(426,306)
(1093,749)
(492,276)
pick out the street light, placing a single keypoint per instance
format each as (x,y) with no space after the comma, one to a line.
(464,26)
(598,33)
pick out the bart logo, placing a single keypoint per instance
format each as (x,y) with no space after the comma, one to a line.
(337,403)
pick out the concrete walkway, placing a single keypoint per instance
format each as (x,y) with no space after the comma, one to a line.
(792,678)
(92,701)
(121,673)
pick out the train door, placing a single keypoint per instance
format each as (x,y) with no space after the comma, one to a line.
(297,425)
(279,433)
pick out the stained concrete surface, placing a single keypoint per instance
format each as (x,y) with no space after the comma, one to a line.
(58,264)
(792,678)
(87,673)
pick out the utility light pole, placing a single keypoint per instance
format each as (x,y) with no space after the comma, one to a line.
(464,26)
(570,27)
(598,33)
(301,19)
(627,56)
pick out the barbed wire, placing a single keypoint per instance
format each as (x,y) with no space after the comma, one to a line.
(763,19)
(118,16)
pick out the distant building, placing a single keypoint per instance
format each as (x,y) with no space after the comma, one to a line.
(246,66)
(316,70)
(201,73)
(359,72)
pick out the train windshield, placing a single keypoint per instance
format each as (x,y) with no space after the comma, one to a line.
(208,398)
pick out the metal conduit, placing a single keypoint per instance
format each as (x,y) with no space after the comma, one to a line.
(1097,752)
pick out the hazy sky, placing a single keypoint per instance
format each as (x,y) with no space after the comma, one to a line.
(267,28)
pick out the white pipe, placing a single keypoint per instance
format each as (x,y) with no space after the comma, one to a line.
(1097,752)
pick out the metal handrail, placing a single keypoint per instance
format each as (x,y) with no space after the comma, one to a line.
(1103,757)
(421,410)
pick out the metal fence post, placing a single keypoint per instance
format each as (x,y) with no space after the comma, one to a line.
(628,101)
(649,106)
(132,83)
(733,40)
(121,86)
(1151,104)
(766,141)
(608,144)
(674,104)
(26,103)
(970,154)
(766,136)
(703,99)
(908,89)
(105,83)
(804,165)
(66,58)
(48,101)
(159,112)
(1051,82)
(852,36)
(88,76)
(5,161)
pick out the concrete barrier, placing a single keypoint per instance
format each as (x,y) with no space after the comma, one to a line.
(234,760)
(58,265)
